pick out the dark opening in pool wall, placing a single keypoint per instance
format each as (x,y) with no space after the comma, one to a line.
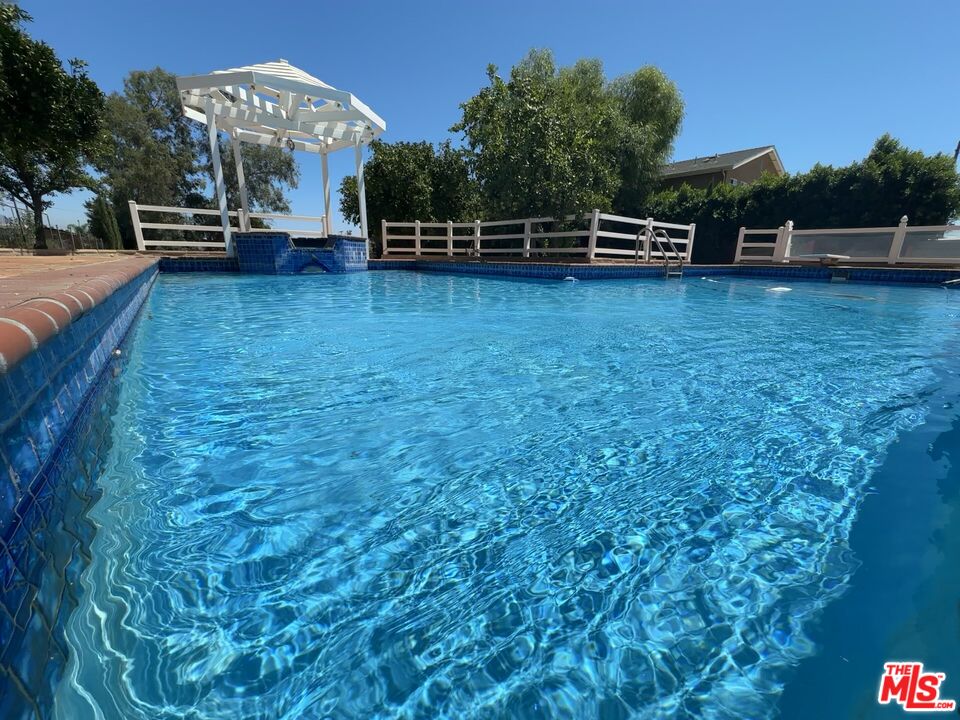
(56,406)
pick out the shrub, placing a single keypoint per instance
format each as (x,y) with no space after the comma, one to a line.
(890,182)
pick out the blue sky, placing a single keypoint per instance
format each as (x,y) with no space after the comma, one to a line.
(820,80)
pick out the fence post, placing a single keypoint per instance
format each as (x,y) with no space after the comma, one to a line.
(740,238)
(526,238)
(449,238)
(135,220)
(383,238)
(787,241)
(781,249)
(594,228)
(416,237)
(897,245)
(647,240)
(690,234)
(476,235)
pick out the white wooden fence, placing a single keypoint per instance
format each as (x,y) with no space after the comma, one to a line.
(900,245)
(243,224)
(601,236)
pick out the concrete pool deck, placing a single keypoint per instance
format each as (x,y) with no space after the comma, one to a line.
(40,296)
(23,277)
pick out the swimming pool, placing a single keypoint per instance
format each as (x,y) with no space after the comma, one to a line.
(394,494)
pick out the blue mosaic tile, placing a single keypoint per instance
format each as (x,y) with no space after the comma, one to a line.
(46,396)
(600,272)
(9,405)
(522,270)
(278,255)
(274,253)
(39,576)
(196,264)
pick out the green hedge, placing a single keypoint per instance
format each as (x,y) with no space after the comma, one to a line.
(890,182)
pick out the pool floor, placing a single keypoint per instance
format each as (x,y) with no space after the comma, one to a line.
(393,494)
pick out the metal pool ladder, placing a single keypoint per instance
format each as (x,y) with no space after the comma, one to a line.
(672,262)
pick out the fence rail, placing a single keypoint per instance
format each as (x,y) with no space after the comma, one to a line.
(900,245)
(600,235)
(243,224)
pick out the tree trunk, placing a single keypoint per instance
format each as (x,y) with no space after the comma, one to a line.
(40,241)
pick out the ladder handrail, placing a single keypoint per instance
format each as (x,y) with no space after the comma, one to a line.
(656,235)
(666,260)
(673,248)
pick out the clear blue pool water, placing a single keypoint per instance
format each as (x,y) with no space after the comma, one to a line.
(410,495)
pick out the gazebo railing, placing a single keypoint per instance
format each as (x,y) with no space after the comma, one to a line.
(209,243)
(298,232)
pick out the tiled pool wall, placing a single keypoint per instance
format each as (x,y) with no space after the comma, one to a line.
(922,276)
(265,253)
(558,271)
(272,254)
(56,402)
(275,254)
(547,271)
(186,264)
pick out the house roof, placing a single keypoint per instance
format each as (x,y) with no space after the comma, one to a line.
(718,162)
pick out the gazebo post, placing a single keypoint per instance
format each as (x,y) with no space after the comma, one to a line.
(327,225)
(219,185)
(235,143)
(361,191)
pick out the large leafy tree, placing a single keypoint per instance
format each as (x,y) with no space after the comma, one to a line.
(51,120)
(546,141)
(653,111)
(551,141)
(408,181)
(151,153)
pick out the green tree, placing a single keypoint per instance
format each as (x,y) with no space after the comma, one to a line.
(102,221)
(453,192)
(51,121)
(653,109)
(553,141)
(151,154)
(408,181)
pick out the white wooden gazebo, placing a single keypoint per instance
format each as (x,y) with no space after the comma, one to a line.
(278,104)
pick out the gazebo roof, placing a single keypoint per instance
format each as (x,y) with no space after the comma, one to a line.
(275,103)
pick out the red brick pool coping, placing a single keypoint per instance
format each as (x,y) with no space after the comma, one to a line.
(40,296)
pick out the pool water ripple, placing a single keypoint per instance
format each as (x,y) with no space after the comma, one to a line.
(405,495)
